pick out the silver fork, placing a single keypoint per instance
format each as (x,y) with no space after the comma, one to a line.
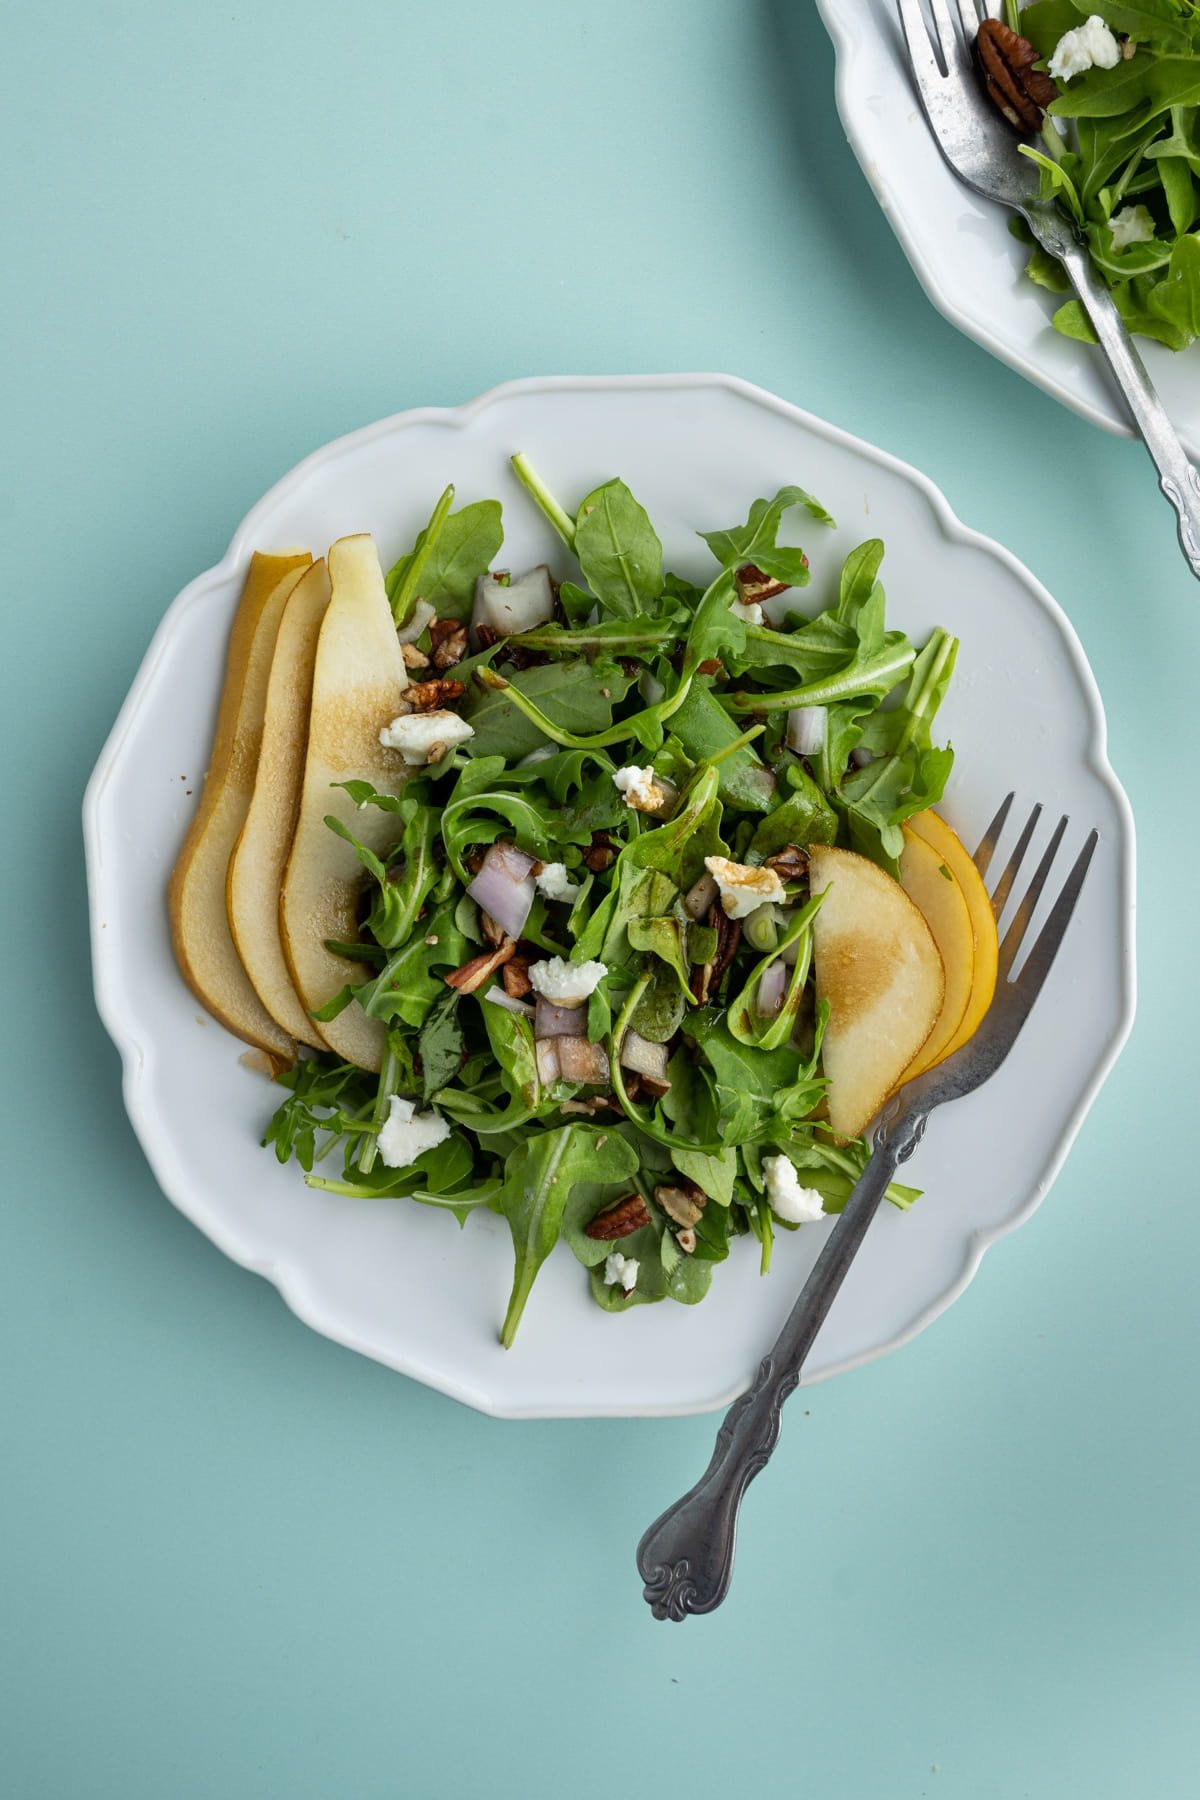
(686,1557)
(982,151)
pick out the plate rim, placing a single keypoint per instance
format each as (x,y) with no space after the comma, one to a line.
(289,1280)
(847,44)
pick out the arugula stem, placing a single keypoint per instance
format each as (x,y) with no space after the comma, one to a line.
(536,488)
(408,590)
(389,1082)
(861,678)
(735,744)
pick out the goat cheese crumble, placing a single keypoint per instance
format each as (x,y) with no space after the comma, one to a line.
(565,983)
(554,883)
(743,888)
(417,735)
(407,1134)
(623,1269)
(1089,46)
(643,789)
(749,611)
(794,1204)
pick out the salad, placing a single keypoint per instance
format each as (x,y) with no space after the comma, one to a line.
(554,896)
(1119,152)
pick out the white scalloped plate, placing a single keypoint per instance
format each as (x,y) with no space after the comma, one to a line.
(959,244)
(400,1282)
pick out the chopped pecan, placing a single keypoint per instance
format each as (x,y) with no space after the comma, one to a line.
(790,863)
(682,1201)
(494,934)
(601,852)
(1006,60)
(473,974)
(619,1220)
(707,978)
(712,665)
(431,696)
(593,1104)
(486,636)
(520,658)
(474,857)
(653,1086)
(752,585)
(413,658)
(448,642)
(515,976)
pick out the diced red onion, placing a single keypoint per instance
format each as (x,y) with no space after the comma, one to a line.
(580,1060)
(808,727)
(771,989)
(700,896)
(559,1021)
(517,606)
(861,758)
(548,1066)
(499,997)
(504,887)
(643,1056)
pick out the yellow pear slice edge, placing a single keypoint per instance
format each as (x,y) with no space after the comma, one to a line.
(260,856)
(204,947)
(877,965)
(958,859)
(359,679)
(933,887)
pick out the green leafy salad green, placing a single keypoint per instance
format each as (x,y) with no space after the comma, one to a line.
(644,727)
(1127,170)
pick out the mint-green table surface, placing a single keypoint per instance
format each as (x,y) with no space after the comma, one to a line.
(238,1561)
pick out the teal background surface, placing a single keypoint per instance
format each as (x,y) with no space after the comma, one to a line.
(238,1561)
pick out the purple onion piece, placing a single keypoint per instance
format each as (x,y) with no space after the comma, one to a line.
(771,989)
(499,997)
(555,1021)
(580,1060)
(807,730)
(504,887)
(700,896)
(643,1056)
(549,1068)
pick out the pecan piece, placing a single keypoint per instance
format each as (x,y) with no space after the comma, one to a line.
(1006,60)
(707,978)
(752,585)
(413,658)
(473,974)
(448,642)
(712,665)
(682,1201)
(515,976)
(601,852)
(432,696)
(619,1220)
(790,863)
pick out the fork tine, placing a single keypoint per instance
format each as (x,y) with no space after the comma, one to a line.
(968,12)
(920,46)
(1024,912)
(986,847)
(1028,984)
(1004,886)
(951,41)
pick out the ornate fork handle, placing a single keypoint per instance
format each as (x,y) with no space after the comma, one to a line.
(1177,478)
(686,1557)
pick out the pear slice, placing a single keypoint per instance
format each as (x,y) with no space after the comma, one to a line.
(958,859)
(359,680)
(877,965)
(204,948)
(933,886)
(260,855)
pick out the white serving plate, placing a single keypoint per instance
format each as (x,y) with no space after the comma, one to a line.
(401,1282)
(959,245)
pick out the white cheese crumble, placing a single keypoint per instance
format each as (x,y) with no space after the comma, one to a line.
(623,1269)
(407,1134)
(565,983)
(416,735)
(1132,225)
(1090,46)
(750,611)
(555,884)
(643,789)
(794,1204)
(743,888)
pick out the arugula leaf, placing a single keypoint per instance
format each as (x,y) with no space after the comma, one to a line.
(440,1046)
(538,1180)
(570,694)
(754,542)
(619,551)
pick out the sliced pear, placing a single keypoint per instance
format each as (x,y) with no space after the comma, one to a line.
(260,855)
(204,947)
(933,887)
(358,686)
(985,944)
(877,965)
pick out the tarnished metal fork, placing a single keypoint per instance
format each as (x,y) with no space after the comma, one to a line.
(686,1557)
(982,151)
